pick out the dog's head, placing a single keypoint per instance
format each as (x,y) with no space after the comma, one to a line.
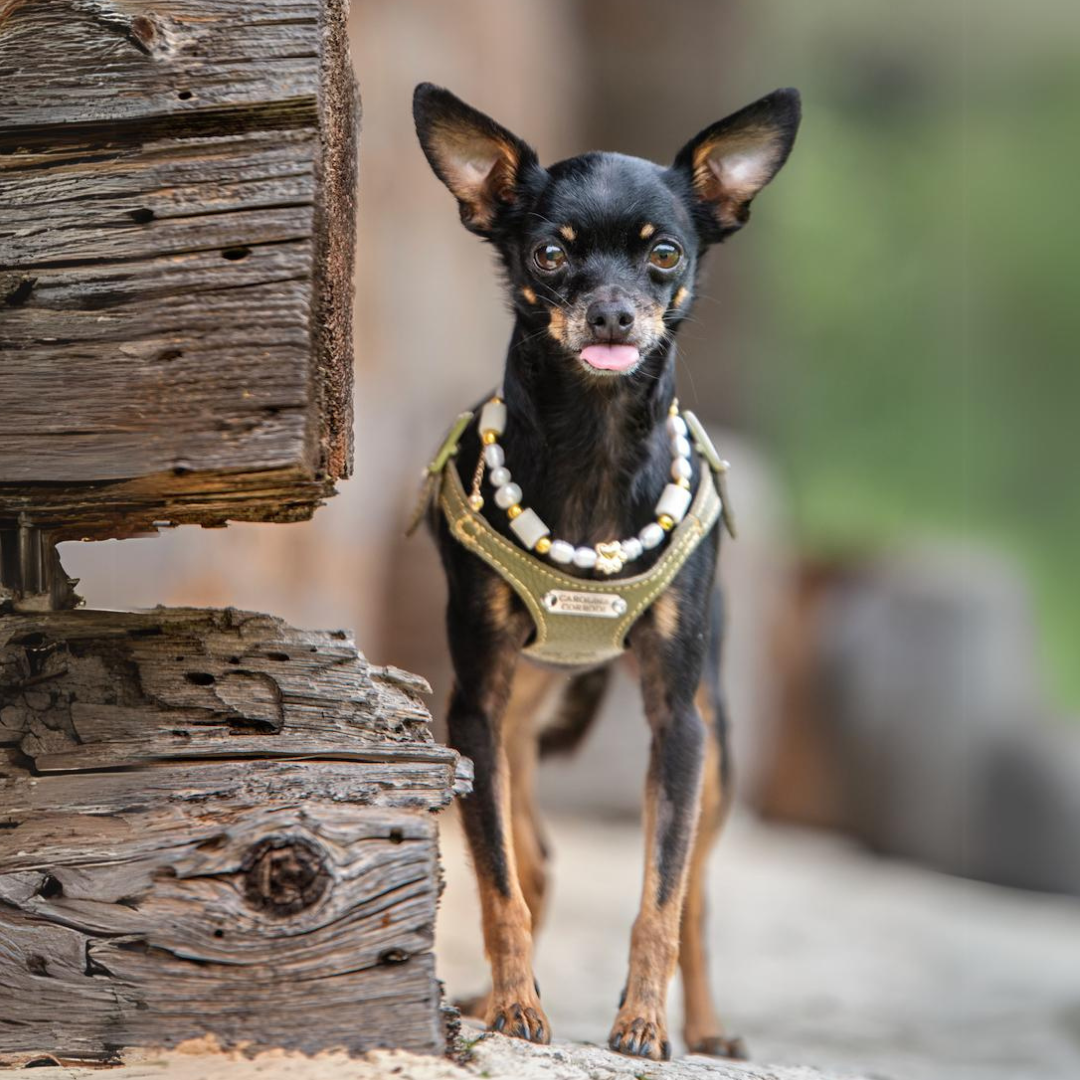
(604,247)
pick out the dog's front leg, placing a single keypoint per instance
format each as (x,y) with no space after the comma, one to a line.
(485,645)
(670,665)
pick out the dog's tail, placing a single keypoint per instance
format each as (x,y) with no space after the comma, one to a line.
(575,713)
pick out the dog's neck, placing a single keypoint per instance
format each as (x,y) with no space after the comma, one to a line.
(590,451)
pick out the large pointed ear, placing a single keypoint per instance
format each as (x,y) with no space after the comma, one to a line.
(731,161)
(478,160)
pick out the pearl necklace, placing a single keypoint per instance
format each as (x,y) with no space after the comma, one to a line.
(609,557)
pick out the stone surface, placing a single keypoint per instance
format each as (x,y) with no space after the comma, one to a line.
(822,955)
(492,1056)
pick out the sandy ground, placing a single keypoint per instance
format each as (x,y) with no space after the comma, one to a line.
(828,961)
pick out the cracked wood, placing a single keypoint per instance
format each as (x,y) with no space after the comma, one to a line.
(211,822)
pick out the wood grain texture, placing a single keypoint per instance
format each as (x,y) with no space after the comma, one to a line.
(213,823)
(177,187)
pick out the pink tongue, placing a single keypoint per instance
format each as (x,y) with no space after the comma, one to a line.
(611,357)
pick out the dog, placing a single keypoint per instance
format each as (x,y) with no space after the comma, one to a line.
(601,255)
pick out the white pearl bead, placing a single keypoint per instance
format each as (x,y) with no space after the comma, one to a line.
(562,552)
(680,469)
(680,446)
(631,548)
(529,528)
(493,456)
(676,425)
(674,502)
(500,477)
(585,557)
(651,536)
(493,417)
(506,496)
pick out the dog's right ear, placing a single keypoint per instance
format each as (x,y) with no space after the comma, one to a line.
(478,160)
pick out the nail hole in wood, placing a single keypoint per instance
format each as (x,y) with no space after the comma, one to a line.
(200,678)
(141,215)
(281,657)
(170,354)
(235,254)
(219,933)
(393,956)
(51,888)
(396,836)
(184,95)
(18,296)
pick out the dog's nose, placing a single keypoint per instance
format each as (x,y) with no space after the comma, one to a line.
(610,320)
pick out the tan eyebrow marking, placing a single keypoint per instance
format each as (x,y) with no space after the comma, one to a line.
(680,296)
(567,232)
(647,230)
(529,294)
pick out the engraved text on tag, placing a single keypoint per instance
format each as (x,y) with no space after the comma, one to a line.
(599,605)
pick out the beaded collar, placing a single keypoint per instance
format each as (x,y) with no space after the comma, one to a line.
(608,557)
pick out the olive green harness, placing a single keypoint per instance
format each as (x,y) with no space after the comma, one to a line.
(578,622)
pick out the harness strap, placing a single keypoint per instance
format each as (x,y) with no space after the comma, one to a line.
(578,622)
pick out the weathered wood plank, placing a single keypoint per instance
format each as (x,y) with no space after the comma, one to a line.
(211,822)
(91,689)
(302,925)
(71,61)
(175,264)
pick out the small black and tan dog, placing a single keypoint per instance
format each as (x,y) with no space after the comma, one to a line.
(601,255)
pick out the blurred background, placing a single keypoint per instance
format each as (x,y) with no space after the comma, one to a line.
(886,355)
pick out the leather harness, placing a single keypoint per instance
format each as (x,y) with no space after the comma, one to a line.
(579,622)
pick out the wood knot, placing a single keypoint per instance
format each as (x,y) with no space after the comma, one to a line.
(284,875)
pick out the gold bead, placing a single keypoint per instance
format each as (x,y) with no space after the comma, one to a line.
(666,522)
(683,482)
(514,511)
(543,545)
(476,502)
(488,437)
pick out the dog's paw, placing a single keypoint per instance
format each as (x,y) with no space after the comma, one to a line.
(720,1046)
(640,1036)
(519,1019)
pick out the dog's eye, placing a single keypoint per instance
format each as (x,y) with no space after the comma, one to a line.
(665,255)
(549,257)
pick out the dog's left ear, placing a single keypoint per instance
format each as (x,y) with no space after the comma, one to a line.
(477,159)
(731,161)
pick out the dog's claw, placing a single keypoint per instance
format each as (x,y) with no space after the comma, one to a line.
(639,1037)
(520,1021)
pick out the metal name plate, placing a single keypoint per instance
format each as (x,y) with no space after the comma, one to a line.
(598,605)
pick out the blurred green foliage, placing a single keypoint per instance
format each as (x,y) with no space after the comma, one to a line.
(920,373)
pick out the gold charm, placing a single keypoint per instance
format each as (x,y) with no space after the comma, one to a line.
(610,558)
